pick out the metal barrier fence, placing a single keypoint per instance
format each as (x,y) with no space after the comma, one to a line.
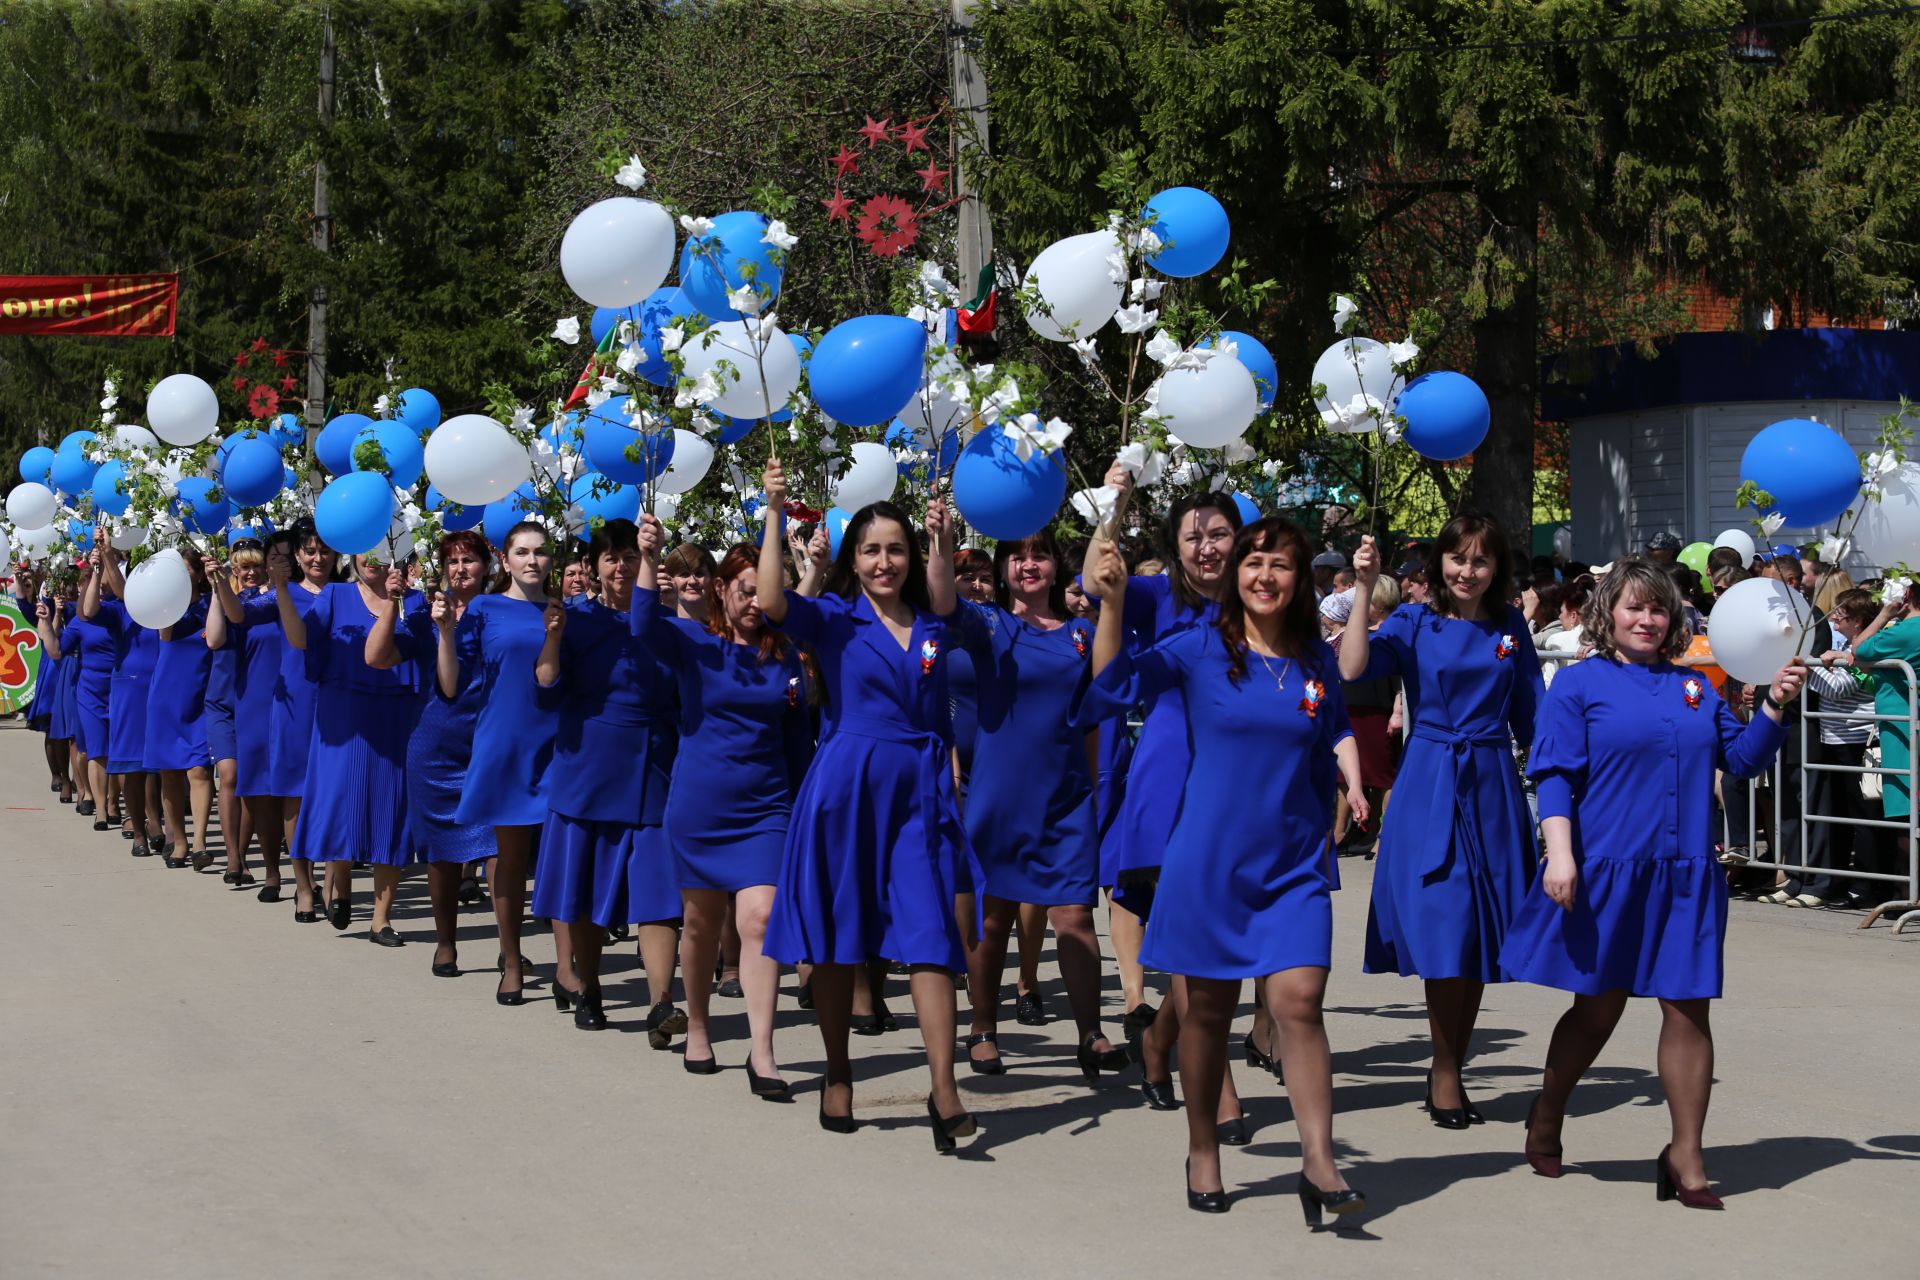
(1774,781)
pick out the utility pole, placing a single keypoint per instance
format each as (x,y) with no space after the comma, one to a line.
(323,241)
(975,235)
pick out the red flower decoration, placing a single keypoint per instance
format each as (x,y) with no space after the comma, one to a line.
(264,402)
(887,225)
(798,510)
(259,344)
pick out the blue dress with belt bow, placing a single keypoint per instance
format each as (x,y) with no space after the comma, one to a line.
(875,842)
(604,854)
(1456,846)
(1627,753)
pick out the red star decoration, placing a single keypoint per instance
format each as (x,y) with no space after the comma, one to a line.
(933,177)
(838,207)
(876,131)
(846,162)
(239,383)
(240,361)
(914,135)
(259,344)
(279,359)
(288,384)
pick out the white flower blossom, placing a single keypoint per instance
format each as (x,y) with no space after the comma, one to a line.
(522,418)
(1144,290)
(1401,354)
(1117,267)
(1088,353)
(597,397)
(383,407)
(1880,465)
(632,174)
(671,338)
(629,358)
(1028,434)
(793,432)
(109,400)
(1771,522)
(1135,319)
(1149,242)
(778,236)
(1834,548)
(1237,451)
(698,228)
(567,329)
(1272,469)
(1144,467)
(746,300)
(1344,309)
(1095,506)
(1894,588)
(1162,348)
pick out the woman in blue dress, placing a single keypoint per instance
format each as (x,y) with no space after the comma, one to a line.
(357,760)
(316,567)
(745,698)
(874,845)
(1456,846)
(135,649)
(246,573)
(54,697)
(1245,889)
(1032,845)
(176,749)
(442,741)
(497,644)
(604,856)
(257,623)
(87,640)
(1626,752)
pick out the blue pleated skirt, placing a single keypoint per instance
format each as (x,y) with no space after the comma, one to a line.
(127,724)
(607,872)
(1651,928)
(357,779)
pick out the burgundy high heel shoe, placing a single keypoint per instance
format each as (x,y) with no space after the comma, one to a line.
(1547,1166)
(1668,1187)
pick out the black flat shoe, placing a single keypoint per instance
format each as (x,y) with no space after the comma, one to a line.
(707,1066)
(836,1124)
(1028,1011)
(446,968)
(312,915)
(84,808)
(803,995)
(1444,1117)
(339,913)
(469,891)
(171,864)
(503,996)
(128,835)
(1233,1133)
(772,1088)
(243,879)
(268,892)
(948,1128)
(202,860)
(229,877)
(993,1066)
(877,1024)
(1204,1201)
(730,990)
(386,937)
(1159,1093)
(1313,1201)
(664,1022)
(587,1013)
(160,844)
(1093,1061)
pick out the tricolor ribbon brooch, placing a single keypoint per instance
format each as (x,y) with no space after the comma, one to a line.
(1504,649)
(793,691)
(1080,642)
(1694,691)
(929,650)
(1316,693)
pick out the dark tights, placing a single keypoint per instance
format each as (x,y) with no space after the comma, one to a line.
(1453,1006)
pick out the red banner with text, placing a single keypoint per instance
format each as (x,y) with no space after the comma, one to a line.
(90,306)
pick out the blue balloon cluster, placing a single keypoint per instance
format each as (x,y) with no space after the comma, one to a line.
(453,516)
(902,436)
(500,517)
(1809,468)
(612,502)
(1248,512)
(72,470)
(1193,231)
(288,430)
(1447,415)
(866,369)
(836,520)
(1002,496)
(418,410)
(109,498)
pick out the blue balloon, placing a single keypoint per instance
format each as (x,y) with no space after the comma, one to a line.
(498,518)
(612,502)
(453,516)
(836,521)
(76,440)
(902,436)
(334,445)
(418,410)
(290,479)
(866,369)
(254,472)
(288,430)
(1001,496)
(604,318)
(1447,415)
(659,310)
(257,530)
(401,447)
(36,464)
(354,513)
(1193,229)
(565,434)
(734,430)
(108,497)
(1248,512)
(198,508)
(1810,470)
(72,471)
(1259,361)
(712,266)
(609,439)
(80,533)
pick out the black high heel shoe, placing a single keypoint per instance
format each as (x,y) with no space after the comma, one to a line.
(1159,1093)
(446,968)
(1093,1061)
(1255,1058)
(994,1066)
(1314,1201)
(1444,1117)
(202,860)
(664,1022)
(1466,1105)
(1204,1201)
(503,996)
(772,1088)
(835,1124)
(587,1013)
(564,997)
(948,1128)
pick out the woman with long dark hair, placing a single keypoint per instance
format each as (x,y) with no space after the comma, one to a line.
(1245,889)
(745,698)
(442,742)
(604,857)
(874,845)
(1456,847)
(176,736)
(1032,845)
(315,567)
(89,645)
(135,650)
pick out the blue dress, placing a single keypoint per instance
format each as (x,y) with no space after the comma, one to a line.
(1628,754)
(293,705)
(438,753)
(1030,794)
(57,681)
(1136,836)
(221,664)
(499,640)
(1246,887)
(136,649)
(94,645)
(875,843)
(176,699)
(357,758)
(746,735)
(1456,846)
(257,643)
(604,853)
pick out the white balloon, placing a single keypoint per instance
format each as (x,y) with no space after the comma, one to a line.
(133,436)
(933,414)
(1888,531)
(6,549)
(34,544)
(473,460)
(128,538)
(692,455)
(1210,406)
(1563,542)
(1740,540)
(1354,366)
(764,370)
(869,478)
(1754,629)
(617,252)
(158,591)
(182,410)
(32,505)
(666,506)
(1073,277)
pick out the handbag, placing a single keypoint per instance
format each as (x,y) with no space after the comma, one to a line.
(1871,784)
